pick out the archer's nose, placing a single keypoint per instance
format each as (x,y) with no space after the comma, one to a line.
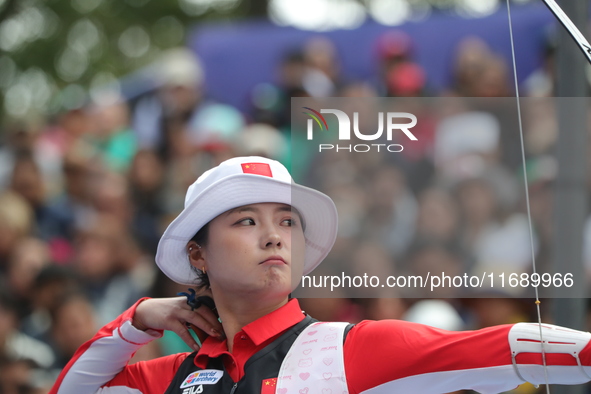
(273,239)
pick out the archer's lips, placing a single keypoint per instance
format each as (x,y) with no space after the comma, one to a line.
(277,260)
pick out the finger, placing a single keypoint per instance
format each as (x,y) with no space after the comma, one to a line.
(183,332)
(204,311)
(210,316)
(182,300)
(200,322)
(202,335)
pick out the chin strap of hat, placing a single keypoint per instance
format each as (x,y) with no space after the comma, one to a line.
(586,48)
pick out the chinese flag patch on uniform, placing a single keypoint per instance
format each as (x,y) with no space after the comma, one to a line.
(257,168)
(269,386)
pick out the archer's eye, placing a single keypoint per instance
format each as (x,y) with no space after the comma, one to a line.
(289,222)
(246,222)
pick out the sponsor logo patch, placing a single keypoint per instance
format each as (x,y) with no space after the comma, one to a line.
(206,376)
(193,390)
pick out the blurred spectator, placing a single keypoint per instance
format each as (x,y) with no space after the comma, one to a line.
(262,140)
(160,118)
(111,135)
(405,80)
(435,313)
(106,266)
(472,54)
(16,221)
(351,201)
(13,343)
(207,140)
(66,133)
(23,139)
(215,125)
(28,258)
(392,210)
(466,143)
(27,180)
(73,322)
(438,218)
(17,140)
(112,196)
(291,73)
(213,130)
(50,284)
(478,72)
(488,223)
(541,174)
(17,376)
(488,312)
(72,208)
(146,177)
(272,103)
(321,77)
(371,258)
(393,48)
(540,126)
(541,82)
(147,197)
(431,258)
(399,75)
(416,159)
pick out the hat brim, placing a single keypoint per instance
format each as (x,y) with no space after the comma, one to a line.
(317,210)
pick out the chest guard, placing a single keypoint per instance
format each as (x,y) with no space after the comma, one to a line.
(315,362)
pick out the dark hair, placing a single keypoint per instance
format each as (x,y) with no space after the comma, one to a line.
(201,238)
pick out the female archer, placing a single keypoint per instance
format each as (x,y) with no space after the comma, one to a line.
(247,234)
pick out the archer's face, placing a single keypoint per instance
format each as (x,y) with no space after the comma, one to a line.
(256,250)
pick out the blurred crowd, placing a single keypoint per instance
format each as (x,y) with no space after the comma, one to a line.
(85,196)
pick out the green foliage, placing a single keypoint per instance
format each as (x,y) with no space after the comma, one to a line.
(57,43)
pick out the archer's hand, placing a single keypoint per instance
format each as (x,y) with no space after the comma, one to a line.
(175,315)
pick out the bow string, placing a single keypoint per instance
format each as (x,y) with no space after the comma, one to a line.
(586,49)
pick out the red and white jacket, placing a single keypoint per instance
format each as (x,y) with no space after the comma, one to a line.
(380,357)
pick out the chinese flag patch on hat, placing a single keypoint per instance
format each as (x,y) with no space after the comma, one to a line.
(269,386)
(257,169)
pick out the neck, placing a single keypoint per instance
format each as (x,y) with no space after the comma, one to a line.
(239,312)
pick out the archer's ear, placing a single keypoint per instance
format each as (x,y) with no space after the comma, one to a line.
(195,254)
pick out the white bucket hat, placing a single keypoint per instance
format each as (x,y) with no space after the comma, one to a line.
(240,181)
